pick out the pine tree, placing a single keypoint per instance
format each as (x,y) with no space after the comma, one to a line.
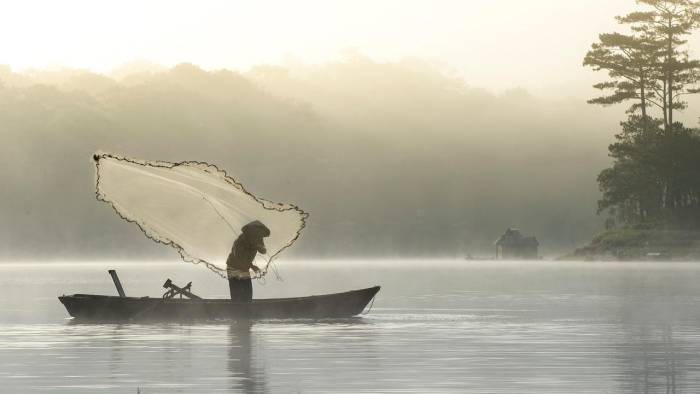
(629,61)
(665,26)
(653,179)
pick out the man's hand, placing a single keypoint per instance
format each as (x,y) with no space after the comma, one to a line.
(260,246)
(254,268)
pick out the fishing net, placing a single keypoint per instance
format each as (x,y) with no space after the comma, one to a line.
(194,207)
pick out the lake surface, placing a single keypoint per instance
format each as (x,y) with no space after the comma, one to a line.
(436,326)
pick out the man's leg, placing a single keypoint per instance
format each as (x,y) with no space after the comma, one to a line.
(247,290)
(235,289)
(241,289)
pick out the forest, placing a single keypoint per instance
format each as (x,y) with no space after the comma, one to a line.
(390,158)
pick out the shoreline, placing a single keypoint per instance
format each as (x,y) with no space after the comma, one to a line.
(629,244)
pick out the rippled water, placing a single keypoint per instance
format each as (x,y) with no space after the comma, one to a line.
(436,326)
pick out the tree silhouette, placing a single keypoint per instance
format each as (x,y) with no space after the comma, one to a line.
(653,179)
(664,26)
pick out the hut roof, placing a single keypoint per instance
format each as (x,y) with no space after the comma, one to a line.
(512,236)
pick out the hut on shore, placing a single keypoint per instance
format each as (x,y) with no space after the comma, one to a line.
(513,245)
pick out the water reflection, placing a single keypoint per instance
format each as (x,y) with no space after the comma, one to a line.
(655,361)
(247,375)
(115,342)
(488,328)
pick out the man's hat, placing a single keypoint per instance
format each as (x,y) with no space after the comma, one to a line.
(256,228)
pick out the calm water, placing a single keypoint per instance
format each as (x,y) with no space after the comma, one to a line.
(436,326)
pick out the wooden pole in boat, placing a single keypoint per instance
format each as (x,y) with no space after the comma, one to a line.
(117,283)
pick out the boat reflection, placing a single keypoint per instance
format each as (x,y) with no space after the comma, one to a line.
(251,343)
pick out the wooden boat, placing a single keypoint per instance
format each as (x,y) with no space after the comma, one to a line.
(121,308)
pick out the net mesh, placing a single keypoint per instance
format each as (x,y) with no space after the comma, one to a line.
(194,207)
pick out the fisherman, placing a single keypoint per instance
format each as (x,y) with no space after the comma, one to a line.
(240,260)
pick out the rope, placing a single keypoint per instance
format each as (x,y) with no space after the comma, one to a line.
(370,306)
(262,279)
(220,215)
(275,271)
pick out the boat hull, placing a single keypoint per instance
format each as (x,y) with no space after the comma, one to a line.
(113,308)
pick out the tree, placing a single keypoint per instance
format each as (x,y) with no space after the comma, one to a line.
(664,27)
(654,177)
(633,188)
(629,61)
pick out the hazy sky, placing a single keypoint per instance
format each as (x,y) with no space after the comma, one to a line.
(496,44)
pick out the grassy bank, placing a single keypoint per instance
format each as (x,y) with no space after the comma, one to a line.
(641,244)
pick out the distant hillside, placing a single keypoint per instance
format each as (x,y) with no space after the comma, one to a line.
(389,159)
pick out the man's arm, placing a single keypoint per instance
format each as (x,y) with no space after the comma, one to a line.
(260,247)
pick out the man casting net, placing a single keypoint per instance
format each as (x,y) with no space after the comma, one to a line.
(197,209)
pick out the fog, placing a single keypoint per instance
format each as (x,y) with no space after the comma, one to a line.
(390,159)
(536,44)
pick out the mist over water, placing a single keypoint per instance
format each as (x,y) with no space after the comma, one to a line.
(436,325)
(390,159)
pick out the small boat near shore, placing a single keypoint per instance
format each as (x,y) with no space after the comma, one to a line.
(170,308)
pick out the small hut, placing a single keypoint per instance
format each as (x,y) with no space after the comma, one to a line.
(513,245)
